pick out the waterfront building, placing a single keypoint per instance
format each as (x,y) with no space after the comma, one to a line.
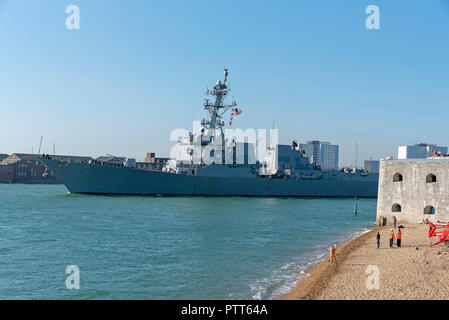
(111,160)
(6,173)
(371,166)
(419,151)
(26,168)
(321,153)
(414,189)
(312,150)
(150,158)
(151,162)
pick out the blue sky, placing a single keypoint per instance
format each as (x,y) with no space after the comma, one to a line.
(138,69)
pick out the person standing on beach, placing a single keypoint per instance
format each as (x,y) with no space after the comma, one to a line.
(332,255)
(391,238)
(378,239)
(399,237)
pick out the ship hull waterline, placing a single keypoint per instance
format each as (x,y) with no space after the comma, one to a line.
(109,180)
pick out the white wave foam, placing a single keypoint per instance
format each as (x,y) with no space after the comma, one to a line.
(283,280)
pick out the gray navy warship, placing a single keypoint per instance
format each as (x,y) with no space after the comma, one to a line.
(210,162)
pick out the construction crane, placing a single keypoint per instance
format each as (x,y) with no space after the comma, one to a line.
(435,231)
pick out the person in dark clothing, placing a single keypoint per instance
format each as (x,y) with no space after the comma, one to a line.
(378,239)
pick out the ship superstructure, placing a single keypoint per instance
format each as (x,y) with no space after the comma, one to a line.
(209,145)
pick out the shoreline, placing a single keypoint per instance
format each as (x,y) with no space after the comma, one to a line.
(414,271)
(318,275)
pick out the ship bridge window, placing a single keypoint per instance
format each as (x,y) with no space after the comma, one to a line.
(429,210)
(397,177)
(431,178)
(396,208)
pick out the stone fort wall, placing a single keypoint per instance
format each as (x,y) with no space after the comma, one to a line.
(414,189)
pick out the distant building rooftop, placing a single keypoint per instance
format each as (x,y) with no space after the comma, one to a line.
(111,159)
(15,157)
(437,159)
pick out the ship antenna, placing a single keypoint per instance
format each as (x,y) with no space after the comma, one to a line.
(40,144)
(272,128)
(225,75)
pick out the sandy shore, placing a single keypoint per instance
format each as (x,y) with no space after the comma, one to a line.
(404,273)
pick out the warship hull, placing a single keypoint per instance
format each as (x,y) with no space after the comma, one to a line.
(99,179)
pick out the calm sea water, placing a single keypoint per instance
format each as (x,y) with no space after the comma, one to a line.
(164,248)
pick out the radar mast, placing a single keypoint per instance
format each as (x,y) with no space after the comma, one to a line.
(216,110)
